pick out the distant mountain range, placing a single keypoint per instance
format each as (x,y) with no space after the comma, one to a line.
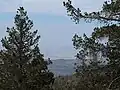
(62,66)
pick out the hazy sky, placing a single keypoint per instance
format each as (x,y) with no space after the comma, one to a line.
(50,18)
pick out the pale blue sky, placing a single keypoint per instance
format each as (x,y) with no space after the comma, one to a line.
(50,18)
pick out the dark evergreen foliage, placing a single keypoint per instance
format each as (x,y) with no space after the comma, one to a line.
(110,16)
(109,13)
(23,66)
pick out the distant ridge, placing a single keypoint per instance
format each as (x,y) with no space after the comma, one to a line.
(62,66)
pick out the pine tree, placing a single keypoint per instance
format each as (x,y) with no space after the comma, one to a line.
(110,17)
(89,51)
(23,66)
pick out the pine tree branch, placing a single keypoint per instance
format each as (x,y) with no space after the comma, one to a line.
(77,15)
(113,82)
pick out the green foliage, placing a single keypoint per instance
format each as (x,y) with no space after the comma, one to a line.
(113,45)
(110,12)
(110,52)
(110,15)
(90,80)
(23,66)
(89,50)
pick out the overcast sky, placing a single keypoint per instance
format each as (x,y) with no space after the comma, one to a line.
(50,18)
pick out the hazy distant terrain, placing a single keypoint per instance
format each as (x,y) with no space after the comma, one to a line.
(62,66)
